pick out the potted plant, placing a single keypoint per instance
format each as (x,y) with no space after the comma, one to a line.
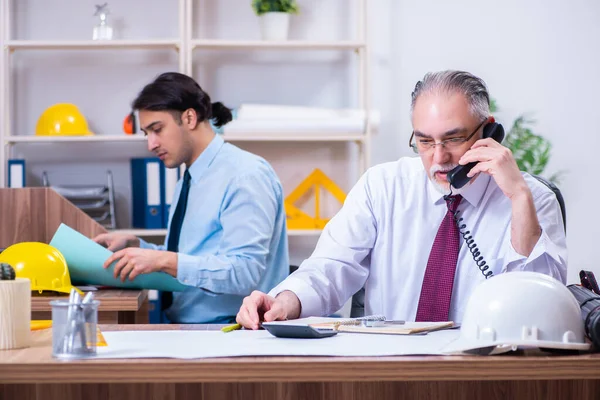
(531,151)
(274,17)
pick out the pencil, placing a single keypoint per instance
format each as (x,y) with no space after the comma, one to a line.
(230,328)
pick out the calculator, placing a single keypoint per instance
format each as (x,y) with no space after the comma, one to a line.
(298,331)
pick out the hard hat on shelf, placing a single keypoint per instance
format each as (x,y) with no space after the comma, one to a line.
(63,119)
(41,263)
(520,309)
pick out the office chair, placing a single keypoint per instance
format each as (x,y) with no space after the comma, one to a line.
(358,299)
(559,197)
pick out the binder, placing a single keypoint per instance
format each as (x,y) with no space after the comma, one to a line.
(146,192)
(155,313)
(16,173)
(171,176)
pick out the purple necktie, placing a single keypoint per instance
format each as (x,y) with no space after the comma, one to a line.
(436,292)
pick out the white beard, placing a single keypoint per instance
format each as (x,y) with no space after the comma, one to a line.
(445,189)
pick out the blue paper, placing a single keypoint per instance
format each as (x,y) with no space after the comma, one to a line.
(85,259)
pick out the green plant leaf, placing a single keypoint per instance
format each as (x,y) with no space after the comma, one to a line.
(531,151)
(493,106)
(264,6)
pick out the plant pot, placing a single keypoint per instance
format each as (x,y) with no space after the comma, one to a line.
(15,314)
(274,25)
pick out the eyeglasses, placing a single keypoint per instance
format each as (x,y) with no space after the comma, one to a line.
(425,145)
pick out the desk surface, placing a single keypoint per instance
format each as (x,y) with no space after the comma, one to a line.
(35,364)
(110,300)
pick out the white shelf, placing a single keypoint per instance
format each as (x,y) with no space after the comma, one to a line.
(304,232)
(286,137)
(74,139)
(163,232)
(280,45)
(89,44)
(294,137)
(142,232)
(198,43)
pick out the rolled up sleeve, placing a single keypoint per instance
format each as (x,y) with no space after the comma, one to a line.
(549,256)
(151,246)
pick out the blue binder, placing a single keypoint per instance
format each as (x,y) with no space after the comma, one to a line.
(16,173)
(147,183)
(155,313)
(171,176)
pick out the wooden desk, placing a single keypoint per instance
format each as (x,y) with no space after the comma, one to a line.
(116,306)
(33,374)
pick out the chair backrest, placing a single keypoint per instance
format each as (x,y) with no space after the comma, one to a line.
(358,300)
(559,197)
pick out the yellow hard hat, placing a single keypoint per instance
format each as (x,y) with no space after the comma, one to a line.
(63,119)
(41,263)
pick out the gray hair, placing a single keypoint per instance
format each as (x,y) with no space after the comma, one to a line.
(472,87)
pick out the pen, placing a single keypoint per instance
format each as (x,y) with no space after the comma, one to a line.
(230,328)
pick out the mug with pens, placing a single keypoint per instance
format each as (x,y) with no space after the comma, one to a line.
(74,326)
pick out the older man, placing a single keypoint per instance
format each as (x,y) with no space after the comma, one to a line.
(396,234)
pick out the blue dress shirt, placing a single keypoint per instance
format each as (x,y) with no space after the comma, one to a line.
(233,238)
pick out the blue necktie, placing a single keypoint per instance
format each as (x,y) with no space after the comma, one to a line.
(175,230)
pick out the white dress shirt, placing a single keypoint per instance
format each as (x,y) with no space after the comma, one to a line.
(382,236)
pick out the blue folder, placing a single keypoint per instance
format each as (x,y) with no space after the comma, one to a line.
(171,176)
(16,173)
(147,187)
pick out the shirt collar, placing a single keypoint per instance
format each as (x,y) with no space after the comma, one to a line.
(205,158)
(473,193)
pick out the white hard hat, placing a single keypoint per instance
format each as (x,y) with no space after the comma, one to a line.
(520,309)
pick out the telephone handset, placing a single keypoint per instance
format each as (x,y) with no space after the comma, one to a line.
(458,176)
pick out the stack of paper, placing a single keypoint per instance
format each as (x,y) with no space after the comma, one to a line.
(202,344)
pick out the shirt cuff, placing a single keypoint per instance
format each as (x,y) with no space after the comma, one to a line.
(187,270)
(145,245)
(310,301)
(544,246)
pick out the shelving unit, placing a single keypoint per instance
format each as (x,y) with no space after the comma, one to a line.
(73,139)
(358,46)
(186,45)
(143,232)
(275,45)
(9,46)
(288,137)
(90,44)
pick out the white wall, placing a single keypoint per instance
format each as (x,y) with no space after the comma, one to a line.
(536,56)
